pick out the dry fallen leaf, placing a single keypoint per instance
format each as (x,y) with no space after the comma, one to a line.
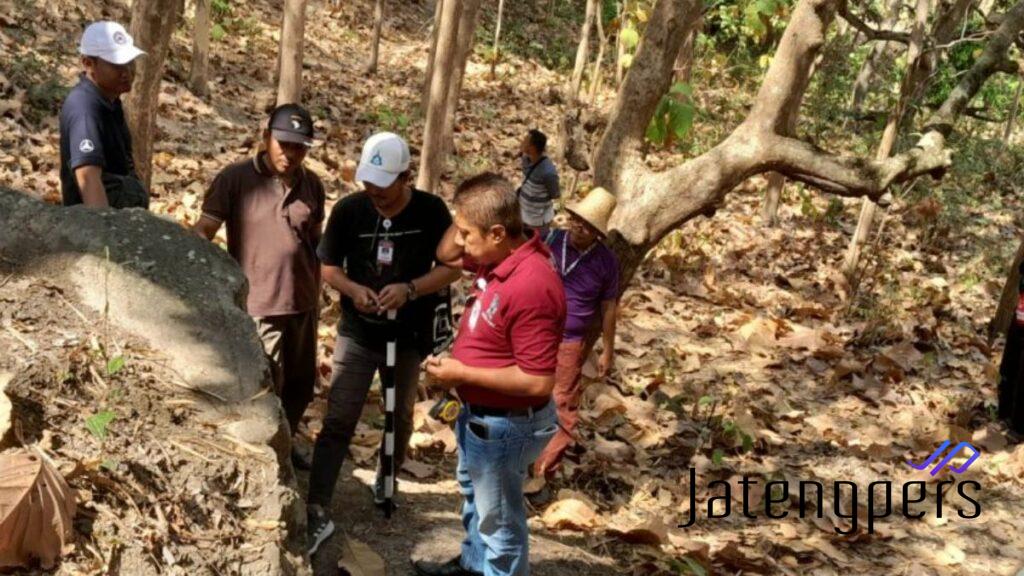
(570,514)
(630,528)
(36,510)
(359,560)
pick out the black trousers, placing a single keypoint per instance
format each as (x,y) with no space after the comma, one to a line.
(1011,380)
(289,342)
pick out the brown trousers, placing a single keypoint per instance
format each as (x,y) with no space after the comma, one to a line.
(567,398)
(289,342)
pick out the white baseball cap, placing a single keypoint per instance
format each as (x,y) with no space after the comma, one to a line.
(385,156)
(109,41)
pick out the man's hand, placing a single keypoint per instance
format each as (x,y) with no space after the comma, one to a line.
(444,372)
(364,299)
(605,362)
(393,296)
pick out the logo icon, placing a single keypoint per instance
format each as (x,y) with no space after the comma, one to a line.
(492,309)
(960,470)
(120,39)
(296,122)
(377,160)
(86,146)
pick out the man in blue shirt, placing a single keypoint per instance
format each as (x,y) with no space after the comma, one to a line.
(96,164)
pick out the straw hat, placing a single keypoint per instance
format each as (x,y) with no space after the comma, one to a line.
(595,209)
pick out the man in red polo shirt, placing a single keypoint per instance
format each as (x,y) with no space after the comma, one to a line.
(503,367)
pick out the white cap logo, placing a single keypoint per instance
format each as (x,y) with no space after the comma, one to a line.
(86,146)
(296,124)
(120,39)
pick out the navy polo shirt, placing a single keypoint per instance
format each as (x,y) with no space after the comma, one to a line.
(93,132)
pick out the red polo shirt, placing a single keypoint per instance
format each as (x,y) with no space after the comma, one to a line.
(515,317)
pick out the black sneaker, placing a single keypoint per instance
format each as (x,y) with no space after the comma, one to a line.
(319,528)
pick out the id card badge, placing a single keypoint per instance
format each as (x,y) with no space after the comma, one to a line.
(385,252)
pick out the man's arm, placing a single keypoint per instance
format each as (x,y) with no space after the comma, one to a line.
(436,279)
(510,380)
(206,227)
(609,314)
(90,183)
(448,252)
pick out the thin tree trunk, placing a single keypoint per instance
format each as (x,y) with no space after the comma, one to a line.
(433,155)
(289,63)
(770,208)
(198,73)
(595,78)
(153,22)
(582,51)
(429,76)
(911,79)
(378,23)
(880,52)
(1007,299)
(684,62)
(620,48)
(1013,111)
(497,36)
(464,47)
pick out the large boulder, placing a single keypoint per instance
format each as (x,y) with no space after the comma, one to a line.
(185,297)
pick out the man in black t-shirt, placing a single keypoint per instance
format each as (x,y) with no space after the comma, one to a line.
(378,252)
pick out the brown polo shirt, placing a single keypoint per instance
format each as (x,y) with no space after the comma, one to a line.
(273,233)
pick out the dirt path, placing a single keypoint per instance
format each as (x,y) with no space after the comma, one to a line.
(428,526)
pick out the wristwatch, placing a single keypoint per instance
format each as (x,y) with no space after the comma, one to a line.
(412,291)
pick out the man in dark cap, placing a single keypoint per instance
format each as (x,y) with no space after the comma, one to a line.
(274,211)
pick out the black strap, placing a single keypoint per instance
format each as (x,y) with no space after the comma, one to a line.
(529,173)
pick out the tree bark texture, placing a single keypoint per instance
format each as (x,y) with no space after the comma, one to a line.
(495,51)
(198,77)
(432,156)
(378,23)
(153,22)
(583,50)
(289,62)
(429,75)
(464,47)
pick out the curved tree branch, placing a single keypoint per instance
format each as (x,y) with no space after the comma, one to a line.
(872,33)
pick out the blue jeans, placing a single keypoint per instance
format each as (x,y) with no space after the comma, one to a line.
(490,474)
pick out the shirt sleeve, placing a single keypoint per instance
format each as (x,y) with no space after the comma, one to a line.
(551,183)
(317,218)
(611,285)
(85,140)
(333,246)
(217,203)
(535,334)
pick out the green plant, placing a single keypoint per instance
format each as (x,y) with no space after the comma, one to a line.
(673,118)
(115,365)
(97,424)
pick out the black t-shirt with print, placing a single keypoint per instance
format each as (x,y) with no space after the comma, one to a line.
(353,239)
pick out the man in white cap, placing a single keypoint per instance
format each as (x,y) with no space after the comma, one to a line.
(97,168)
(378,251)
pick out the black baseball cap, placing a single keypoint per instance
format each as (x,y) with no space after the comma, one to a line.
(291,123)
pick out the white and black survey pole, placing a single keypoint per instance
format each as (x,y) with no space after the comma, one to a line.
(388,382)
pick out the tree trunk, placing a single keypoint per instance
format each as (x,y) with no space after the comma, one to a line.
(289,62)
(915,75)
(464,47)
(880,52)
(153,22)
(770,209)
(652,204)
(1007,299)
(197,77)
(495,51)
(1013,111)
(378,23)
(602,45)
(432,156)
(684,62)
(620,48)
(429,76)
(582,51)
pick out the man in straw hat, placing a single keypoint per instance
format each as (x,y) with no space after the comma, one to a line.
(590,273)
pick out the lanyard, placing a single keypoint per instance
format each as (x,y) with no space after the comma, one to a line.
(565,243)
